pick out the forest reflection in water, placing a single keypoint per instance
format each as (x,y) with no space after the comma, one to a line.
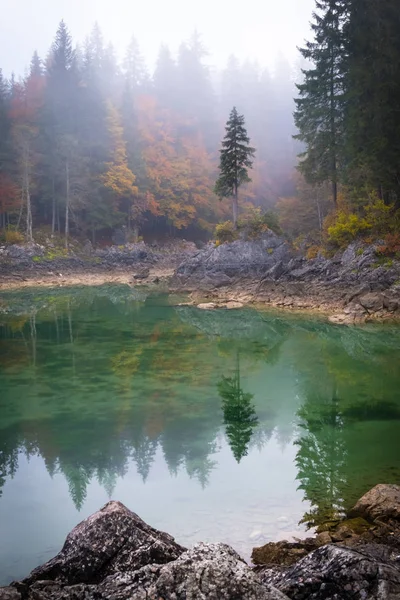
(96,380)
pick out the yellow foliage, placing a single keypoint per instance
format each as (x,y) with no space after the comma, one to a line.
(377,219)
(312,252)
(225,232)
(346,228)
(13,237)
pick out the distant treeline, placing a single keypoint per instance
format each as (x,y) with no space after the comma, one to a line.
(88,144)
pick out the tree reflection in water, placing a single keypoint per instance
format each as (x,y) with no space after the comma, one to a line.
(240,417)
(321,458)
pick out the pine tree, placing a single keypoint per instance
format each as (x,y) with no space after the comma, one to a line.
(372,116)
(320,106)
(235,160)
(240,416)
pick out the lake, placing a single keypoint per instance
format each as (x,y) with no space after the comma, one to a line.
(240,426)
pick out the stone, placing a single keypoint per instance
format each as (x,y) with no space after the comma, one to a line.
(282,553)
(142,273)
(323,538)
(334,572)
(239,258)
(382,502)
(207,306)
(371,302)
(391,301)
(112,540)
(233,304)
(210,572)
(9,593)
(115,555)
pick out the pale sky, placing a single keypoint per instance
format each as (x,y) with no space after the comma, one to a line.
(255,29)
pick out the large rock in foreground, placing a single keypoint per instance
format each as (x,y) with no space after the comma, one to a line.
(113,540)
(114,554)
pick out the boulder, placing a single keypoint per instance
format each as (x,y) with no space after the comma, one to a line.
(372,302)
(114,554)
(142,273)
(382,503)
(207,306)
(112,540)
(240,258)
(334,572)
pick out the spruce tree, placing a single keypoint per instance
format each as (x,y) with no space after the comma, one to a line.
(236,157)
(320,106)
(372,116)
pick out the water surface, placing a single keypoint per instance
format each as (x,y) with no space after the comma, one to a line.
(236,426)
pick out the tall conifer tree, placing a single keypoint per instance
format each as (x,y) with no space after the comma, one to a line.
(320,106)
(235,160)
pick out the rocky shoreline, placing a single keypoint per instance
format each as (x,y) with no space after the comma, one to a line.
(115,555)
(354,286)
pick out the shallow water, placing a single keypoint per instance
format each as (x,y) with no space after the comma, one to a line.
(235,426)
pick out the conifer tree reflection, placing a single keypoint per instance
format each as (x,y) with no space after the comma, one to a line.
(239,414)
(321,458)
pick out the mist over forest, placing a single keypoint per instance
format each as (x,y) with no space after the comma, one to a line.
(81,120)
(90,142)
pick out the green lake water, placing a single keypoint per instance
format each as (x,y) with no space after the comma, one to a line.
(237,426)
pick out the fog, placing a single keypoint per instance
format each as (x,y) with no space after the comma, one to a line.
(258,30)
(137,125)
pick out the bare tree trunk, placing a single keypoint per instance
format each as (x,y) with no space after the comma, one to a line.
(27,186)
(135,233)
(235,207)
(333,134)
(67,204)
(21,209)
(53,214)
(320,220)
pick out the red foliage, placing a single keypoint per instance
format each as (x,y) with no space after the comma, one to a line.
(9,195)
(391,247)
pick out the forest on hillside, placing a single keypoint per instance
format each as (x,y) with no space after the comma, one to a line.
(88,144)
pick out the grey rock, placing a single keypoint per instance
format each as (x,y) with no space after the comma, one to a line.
(348,255)
(382,502)
(211,572)
(9,593)
(391,300)
(372,302)
(112,540)
(242,257)
(142,273)
(334,572)
(207,572)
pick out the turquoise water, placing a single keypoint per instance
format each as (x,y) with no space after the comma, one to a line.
(236,426)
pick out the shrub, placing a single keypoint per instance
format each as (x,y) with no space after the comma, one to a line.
(391,247)
(312,252)
(12,236)
(380,216)
(225,232)
(346,228)
(254,223)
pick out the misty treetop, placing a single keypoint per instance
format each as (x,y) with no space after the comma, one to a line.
(88,144)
